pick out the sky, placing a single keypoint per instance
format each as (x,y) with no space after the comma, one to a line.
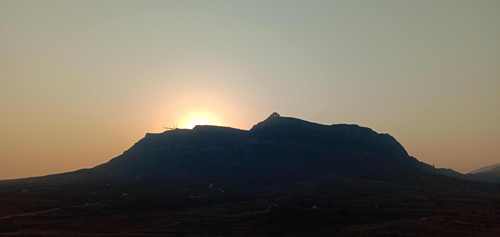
(81,81)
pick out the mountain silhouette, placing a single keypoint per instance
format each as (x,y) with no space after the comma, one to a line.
(489,173)
(284,175)
(278,151)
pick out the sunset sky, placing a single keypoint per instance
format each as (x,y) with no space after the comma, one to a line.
(81,81)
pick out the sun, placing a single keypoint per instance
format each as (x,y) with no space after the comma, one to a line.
(198,118)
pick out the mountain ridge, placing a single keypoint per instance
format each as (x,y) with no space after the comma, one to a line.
(279,150)
(489,174)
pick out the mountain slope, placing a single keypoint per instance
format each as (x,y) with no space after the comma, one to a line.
(489,173)
(283,177)
(278,151)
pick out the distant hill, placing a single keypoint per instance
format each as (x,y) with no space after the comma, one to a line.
(489,173)
(273,154)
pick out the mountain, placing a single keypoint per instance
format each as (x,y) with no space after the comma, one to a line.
(489,173)
(283,177)
(275,153)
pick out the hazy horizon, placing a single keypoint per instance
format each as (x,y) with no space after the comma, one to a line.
(81,81)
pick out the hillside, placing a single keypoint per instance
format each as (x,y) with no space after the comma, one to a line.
(283,177)
(489,173)
(278,151)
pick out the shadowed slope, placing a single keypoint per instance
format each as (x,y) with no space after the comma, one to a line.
(489,173)
(278,151)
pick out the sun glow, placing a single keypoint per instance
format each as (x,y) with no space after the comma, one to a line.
(199,118)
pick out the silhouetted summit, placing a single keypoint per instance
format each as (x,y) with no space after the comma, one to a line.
(277,151)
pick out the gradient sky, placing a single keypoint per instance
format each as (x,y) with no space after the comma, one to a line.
(81,81)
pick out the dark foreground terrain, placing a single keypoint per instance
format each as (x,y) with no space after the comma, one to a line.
(373,210)
(283,177)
